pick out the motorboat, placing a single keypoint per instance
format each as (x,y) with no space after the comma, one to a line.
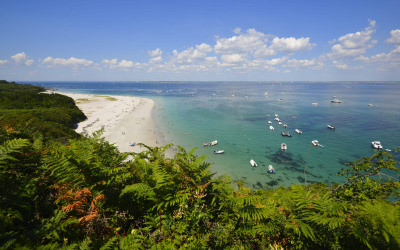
(285,125)
(276,119)
(331,126)
(269,122)
(213,143)
(298,131)
(253,163)
(219,151)
(336,100)
(377,145)
(315,143)
(271,128)
(276,115)
(286,134)
(271,169)
(206,144)
(283,146)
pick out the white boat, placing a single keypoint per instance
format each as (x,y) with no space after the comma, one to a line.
(283,146)
(219,151)
(276,119)
(271,169)
(253,163)
(298,131)
(280,123)
(331,126)
(377,144)
(315,143)
(269,122)
(271,128)
(276,115)
(285,125)
(213,143)
(335,100)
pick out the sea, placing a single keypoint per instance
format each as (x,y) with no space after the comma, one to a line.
(236,114)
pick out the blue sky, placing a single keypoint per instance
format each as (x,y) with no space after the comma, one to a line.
(205,40)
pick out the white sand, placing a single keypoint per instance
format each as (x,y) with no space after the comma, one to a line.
(125,119)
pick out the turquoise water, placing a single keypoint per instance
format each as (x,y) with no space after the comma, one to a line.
(236,115)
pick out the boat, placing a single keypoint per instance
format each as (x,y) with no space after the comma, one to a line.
(279,122)
(285,125)
(213,143)
(315,143)
(206,144)
(269,122)
(276,115)
(298,131)
(315,103)
(335,100)
(219,151)
(271,169)
(331,126)
(271,128)
(276,119)
(286,134)
(253,163)
(283,146)
(377,145)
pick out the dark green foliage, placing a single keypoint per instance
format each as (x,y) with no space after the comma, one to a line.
(27,110)
(86,194)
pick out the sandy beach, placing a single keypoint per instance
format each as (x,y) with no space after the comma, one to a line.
(125,119)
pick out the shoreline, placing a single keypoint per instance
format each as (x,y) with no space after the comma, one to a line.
(125,119)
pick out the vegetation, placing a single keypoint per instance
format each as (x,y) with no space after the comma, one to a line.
(85,194)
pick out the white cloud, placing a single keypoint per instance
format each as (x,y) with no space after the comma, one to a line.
(241,44)
(3,61)
(192,55)
(155,53)
(70,62)
(291,44)
(156,60)
(354,44)
(123,64)
(22,58)
(395,37)
(233,58)
(391,57)
(315,63)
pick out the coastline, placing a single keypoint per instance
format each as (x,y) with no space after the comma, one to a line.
(125,119)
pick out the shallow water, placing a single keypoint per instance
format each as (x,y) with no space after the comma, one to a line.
(236,115)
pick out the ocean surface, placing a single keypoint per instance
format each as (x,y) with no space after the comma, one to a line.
(236,114)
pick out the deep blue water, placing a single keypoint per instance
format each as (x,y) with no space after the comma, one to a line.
(236,114)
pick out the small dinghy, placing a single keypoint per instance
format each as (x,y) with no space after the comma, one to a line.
(269,122)
(283,146)
(253,163)
(298,131)
(331,126)
(271,169)
(286,134)
(271,128)
(219,151)
(315,143)
(213,143)
(285,125)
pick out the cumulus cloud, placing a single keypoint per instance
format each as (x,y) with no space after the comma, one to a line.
(3,61)
(155,53)
(394,37)
(291,44)
(232,58)
(192,55)
(241,44)
(123,64)
(315,63)
(70,62)
(22,58)
(354,44)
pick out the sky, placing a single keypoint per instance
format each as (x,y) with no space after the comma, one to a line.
(182,40)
